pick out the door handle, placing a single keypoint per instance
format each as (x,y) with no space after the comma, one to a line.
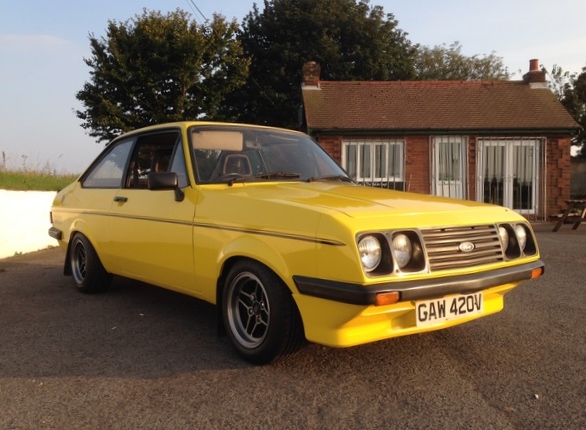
(120,199)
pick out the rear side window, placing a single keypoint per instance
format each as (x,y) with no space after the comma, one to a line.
(109,171)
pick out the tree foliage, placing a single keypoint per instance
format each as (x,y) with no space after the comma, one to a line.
(349,39)
(159,68)
(447,63)
(570,89)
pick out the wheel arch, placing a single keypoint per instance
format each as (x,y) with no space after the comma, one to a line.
(235,253)
(255,249)
(79,227)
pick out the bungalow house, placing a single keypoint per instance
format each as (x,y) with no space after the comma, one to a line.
(502,142)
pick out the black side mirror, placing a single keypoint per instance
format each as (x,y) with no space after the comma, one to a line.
(165,181)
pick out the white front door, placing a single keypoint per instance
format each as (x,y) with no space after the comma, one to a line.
(449,166)
(508,173)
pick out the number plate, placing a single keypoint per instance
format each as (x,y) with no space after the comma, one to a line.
(429,312)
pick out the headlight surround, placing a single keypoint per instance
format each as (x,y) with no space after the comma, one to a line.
(504,235)
(517,240)
(521,234)
(370,251)
(402,249)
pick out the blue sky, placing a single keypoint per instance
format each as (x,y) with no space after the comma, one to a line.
(43,43)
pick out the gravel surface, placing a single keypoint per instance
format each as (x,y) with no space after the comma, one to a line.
(139,357)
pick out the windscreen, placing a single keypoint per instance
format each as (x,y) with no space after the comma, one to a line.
(229,154)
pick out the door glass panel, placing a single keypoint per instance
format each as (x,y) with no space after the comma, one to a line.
(395,161)
(523,174)
(494,174)
(449,168)
(508,173)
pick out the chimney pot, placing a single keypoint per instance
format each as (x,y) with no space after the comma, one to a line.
(311,71)
(535,77)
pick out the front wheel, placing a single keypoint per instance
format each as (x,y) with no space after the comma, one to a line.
(88,273)
(260,316)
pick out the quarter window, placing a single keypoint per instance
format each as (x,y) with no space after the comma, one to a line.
(109,171)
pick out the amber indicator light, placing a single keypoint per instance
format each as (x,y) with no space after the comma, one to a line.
(386,298)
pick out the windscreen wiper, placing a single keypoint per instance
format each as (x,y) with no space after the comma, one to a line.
(278,175)
(342,178)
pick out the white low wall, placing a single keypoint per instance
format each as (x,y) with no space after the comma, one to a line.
(24,221)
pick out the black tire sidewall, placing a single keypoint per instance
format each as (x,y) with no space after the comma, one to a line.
(96,278)
(280,314)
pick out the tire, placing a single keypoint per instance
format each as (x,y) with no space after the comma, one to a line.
(87,271)
(260,315)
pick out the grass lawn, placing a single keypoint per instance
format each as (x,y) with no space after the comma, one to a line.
(17,180)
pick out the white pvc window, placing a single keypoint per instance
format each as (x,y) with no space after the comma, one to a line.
(377,162)
(508,173)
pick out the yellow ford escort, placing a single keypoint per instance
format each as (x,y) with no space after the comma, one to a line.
(266,225)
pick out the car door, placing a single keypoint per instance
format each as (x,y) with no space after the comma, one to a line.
(101,183)
(151,232)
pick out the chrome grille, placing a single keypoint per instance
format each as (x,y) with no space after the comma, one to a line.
(443,247)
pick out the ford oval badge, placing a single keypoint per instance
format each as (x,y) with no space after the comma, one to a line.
(466,247)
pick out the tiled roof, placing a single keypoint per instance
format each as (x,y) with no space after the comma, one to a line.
(433,105)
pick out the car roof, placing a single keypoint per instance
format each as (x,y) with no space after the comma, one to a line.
(186,124)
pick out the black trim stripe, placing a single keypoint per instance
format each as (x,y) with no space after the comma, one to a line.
(322,241)
(147,218)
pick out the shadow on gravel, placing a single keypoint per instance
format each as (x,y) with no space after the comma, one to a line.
(135,329)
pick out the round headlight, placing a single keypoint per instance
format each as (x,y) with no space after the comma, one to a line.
(402,250)
(521,236)
(504,235)
(370,252)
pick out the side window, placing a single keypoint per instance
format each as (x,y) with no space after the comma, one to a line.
(154,153)
(109,171)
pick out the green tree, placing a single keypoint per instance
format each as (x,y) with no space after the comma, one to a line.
(570,89)
(349,39)
(158,68)
(447,63)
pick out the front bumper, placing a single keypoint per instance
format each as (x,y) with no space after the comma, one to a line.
(358,294)
(340,315)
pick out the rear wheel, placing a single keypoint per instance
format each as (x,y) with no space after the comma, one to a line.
(88,273)
(260,316)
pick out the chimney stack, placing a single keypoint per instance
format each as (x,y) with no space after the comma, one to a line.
(535,77)
(311,71)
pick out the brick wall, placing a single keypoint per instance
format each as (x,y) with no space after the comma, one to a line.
(333,146)
(417,175)
(558,174)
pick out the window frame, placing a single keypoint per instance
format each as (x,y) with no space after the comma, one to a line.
(395,146)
